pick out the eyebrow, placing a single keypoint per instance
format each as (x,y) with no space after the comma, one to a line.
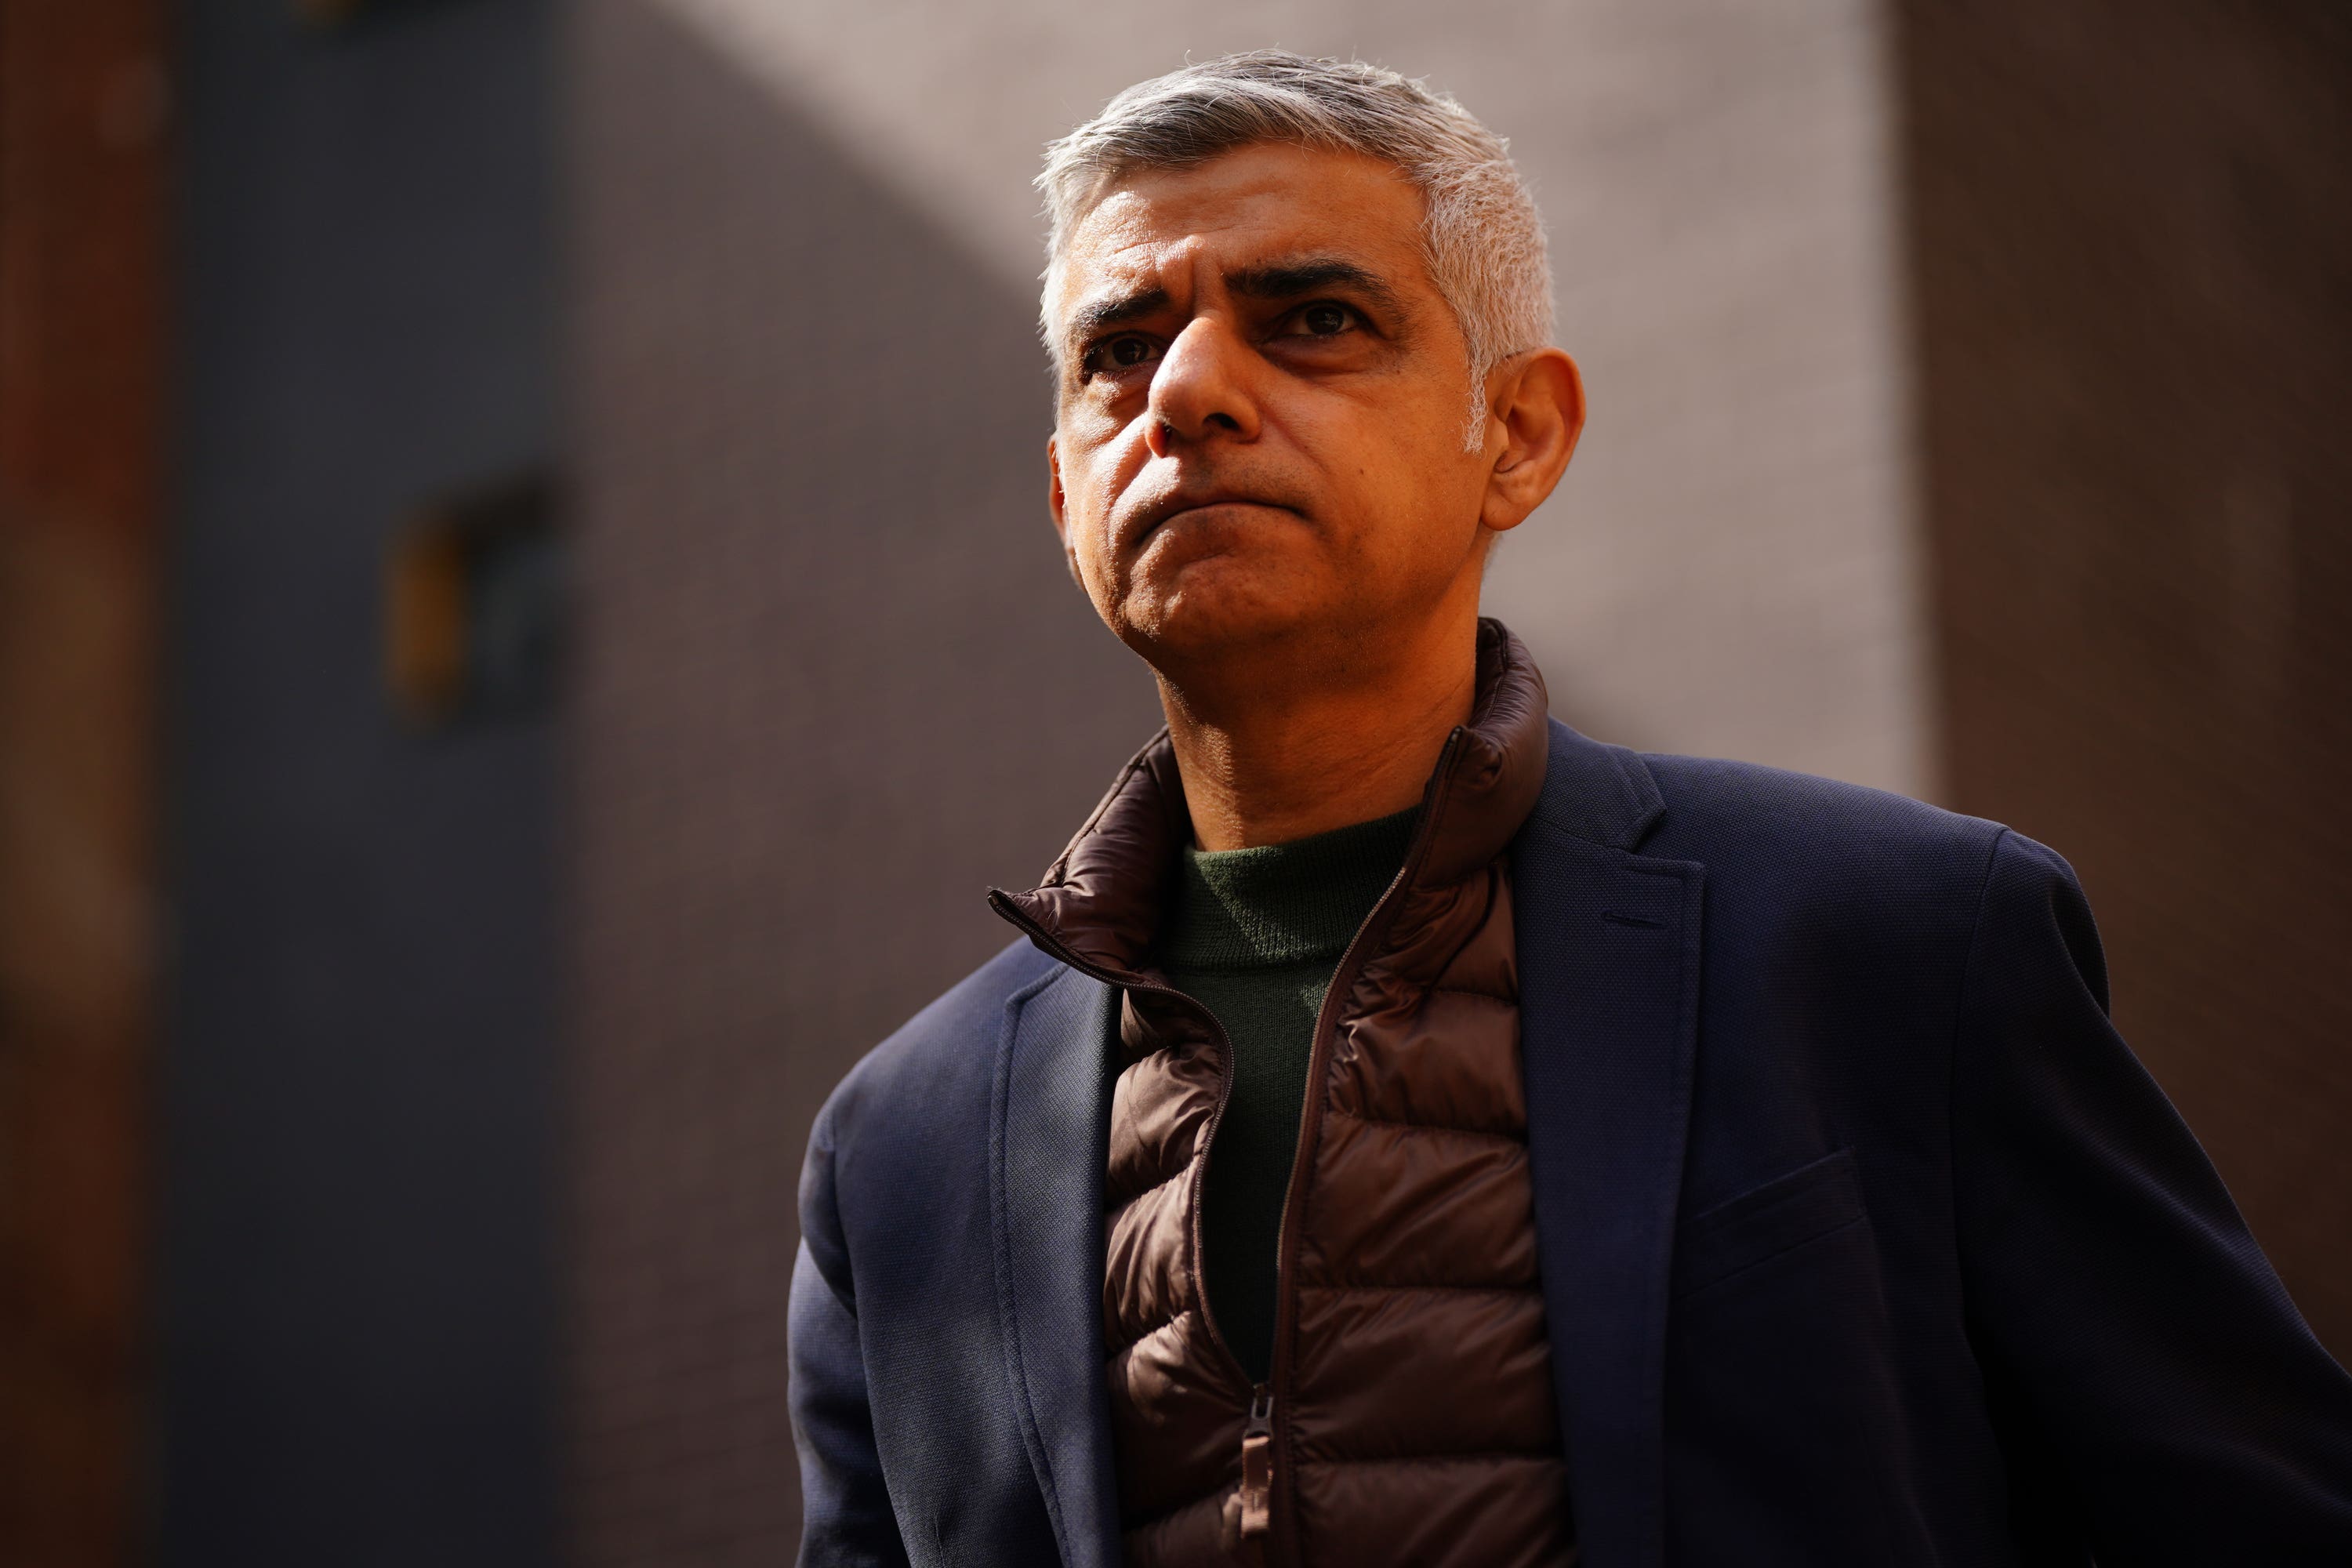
(1088,319)
(1307,275)
(1273,282)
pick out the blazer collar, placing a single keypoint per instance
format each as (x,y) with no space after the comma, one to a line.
(1596,792)
(1609,969)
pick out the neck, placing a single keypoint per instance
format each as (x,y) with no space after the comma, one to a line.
(1285,745)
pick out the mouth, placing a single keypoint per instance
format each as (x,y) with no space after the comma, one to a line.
(1152,519)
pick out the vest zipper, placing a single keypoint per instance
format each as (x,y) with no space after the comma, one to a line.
(1366,942)
(1258,1464)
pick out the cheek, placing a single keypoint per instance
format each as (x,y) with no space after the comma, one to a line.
(1085,524)
(1095,473)
(1089,508)
(1392,449)
(1427,504)
(1401,489)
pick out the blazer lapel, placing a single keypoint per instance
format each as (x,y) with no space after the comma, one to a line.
(1048,1145)
(1609,967)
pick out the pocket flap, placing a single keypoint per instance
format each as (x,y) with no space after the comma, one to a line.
(1785,1212)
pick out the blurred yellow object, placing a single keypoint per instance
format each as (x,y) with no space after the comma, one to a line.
(425,620)
(472,605)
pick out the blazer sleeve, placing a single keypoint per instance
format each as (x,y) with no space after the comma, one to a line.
(846,1516)
(2152,1384)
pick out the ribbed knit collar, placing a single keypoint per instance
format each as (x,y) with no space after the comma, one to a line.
(1275,904)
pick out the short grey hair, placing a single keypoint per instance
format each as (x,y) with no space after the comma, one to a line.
(1483,239)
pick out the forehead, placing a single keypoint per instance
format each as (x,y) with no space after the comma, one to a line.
(1244,206)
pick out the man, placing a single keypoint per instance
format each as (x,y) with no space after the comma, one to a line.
(1407,1132)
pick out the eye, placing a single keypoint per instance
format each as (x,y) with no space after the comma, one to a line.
(1125,352)
(1323,318)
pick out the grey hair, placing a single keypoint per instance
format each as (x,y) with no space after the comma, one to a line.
(1482,239)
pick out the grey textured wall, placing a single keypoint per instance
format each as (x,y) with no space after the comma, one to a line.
(836,682)
(355,1313)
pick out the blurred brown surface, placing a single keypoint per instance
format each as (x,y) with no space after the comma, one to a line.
(82,114)
(2132,280)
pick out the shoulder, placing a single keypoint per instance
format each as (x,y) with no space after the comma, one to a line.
(1800,861)
(909,1123)
(920,1101)
(1737,817)
(1715,809)
(895,1184)
(1899,882)
(949,1045)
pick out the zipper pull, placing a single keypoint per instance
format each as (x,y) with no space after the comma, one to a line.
(1258,1464)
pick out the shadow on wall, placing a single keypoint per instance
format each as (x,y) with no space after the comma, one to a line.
(833,682)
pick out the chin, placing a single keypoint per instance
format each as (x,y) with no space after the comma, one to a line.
(1207,616)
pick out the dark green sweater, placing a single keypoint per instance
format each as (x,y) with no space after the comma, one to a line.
(1255,935)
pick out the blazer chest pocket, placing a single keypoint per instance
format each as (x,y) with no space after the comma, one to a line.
(1760,1224)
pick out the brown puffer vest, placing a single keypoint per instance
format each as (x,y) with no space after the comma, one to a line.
(1409,1417)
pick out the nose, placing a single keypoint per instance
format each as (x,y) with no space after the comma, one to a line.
(1202,388)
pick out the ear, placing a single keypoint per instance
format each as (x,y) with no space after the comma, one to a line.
(1538,403)
(1057,506)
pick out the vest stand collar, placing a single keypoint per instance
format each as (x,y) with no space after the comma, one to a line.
(1100,900)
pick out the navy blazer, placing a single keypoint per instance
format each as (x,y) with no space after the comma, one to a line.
(1863,1238)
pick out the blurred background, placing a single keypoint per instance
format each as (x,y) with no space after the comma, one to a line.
(528,622)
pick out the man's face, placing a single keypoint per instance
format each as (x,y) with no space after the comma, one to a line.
(1261,409)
